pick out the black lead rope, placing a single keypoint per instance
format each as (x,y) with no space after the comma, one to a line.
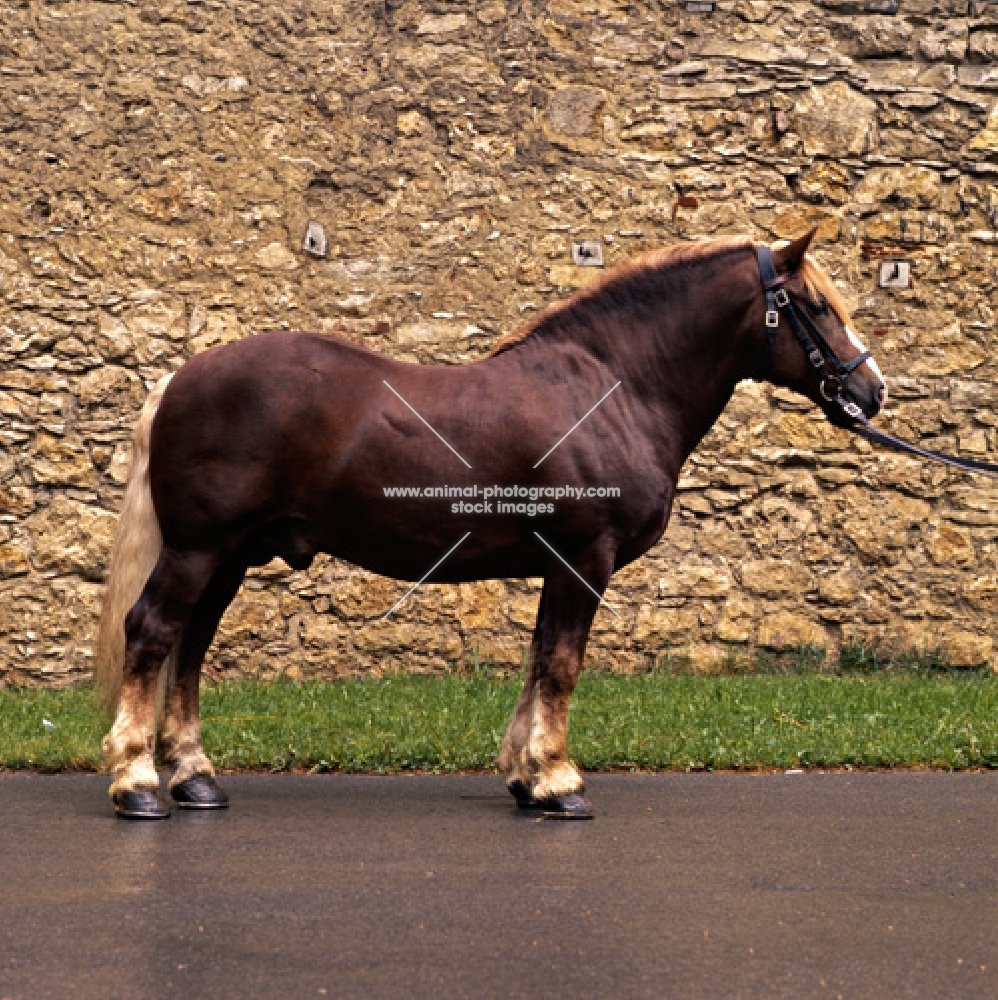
(832,383)
(867,430)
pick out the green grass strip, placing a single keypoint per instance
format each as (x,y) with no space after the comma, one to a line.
(657,721)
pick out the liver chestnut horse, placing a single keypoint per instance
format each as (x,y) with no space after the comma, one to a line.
(282,444)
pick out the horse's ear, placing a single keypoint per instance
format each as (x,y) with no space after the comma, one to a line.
(790,257)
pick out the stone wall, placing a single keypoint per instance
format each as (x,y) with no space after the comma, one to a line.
(158,165)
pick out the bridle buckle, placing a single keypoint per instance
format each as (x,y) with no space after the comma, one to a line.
(781,297)
(816,358)
(772,318)
(850,409)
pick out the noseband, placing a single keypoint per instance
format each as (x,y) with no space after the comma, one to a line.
(833,373)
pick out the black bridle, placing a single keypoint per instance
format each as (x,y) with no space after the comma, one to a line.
(833,373)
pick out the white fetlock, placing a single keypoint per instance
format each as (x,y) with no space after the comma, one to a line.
(190,765)
(514,759)
(128,757)
(514,762)
(557,780)
(138,773)
(118,746)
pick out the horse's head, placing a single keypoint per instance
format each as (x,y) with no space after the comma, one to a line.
(808,339)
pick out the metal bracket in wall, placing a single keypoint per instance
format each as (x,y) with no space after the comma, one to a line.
(315,242)
(587,253)
(895,273)
(700,6)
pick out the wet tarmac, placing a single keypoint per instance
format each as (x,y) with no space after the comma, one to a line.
(704,885)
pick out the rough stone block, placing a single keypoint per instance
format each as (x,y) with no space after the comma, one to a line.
(789,632)
(452,155)
(71,537)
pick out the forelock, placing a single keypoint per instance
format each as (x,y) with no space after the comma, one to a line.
(818,283)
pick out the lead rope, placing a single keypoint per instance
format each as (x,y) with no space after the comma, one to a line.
(819,354)
(867,430)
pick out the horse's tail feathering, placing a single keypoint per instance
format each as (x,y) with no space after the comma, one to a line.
(137,544)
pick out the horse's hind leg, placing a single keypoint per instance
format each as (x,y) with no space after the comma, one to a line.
(151,628)
(193,784)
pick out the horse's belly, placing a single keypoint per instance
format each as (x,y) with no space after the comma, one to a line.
(456,550)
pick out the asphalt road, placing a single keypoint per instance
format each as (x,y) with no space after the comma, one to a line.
(823,885)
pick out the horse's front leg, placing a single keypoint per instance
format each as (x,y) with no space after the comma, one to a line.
(514,760)
(539,772)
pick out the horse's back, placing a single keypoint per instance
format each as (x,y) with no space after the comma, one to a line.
(270,358)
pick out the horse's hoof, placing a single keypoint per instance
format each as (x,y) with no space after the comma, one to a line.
(199,792)
(574,806)
(142,803)
(521,793)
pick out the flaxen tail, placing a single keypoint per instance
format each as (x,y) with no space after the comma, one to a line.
(137,544)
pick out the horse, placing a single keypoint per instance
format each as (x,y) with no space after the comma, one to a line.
(282,444)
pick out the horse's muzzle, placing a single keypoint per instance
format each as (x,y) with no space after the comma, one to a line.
(867,391)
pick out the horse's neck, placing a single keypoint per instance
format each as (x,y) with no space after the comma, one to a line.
(680,364)
(699,379)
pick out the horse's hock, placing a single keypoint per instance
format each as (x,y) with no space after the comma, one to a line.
(159,168)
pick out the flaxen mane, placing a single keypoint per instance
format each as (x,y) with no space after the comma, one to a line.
(581,301)
(817,282)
